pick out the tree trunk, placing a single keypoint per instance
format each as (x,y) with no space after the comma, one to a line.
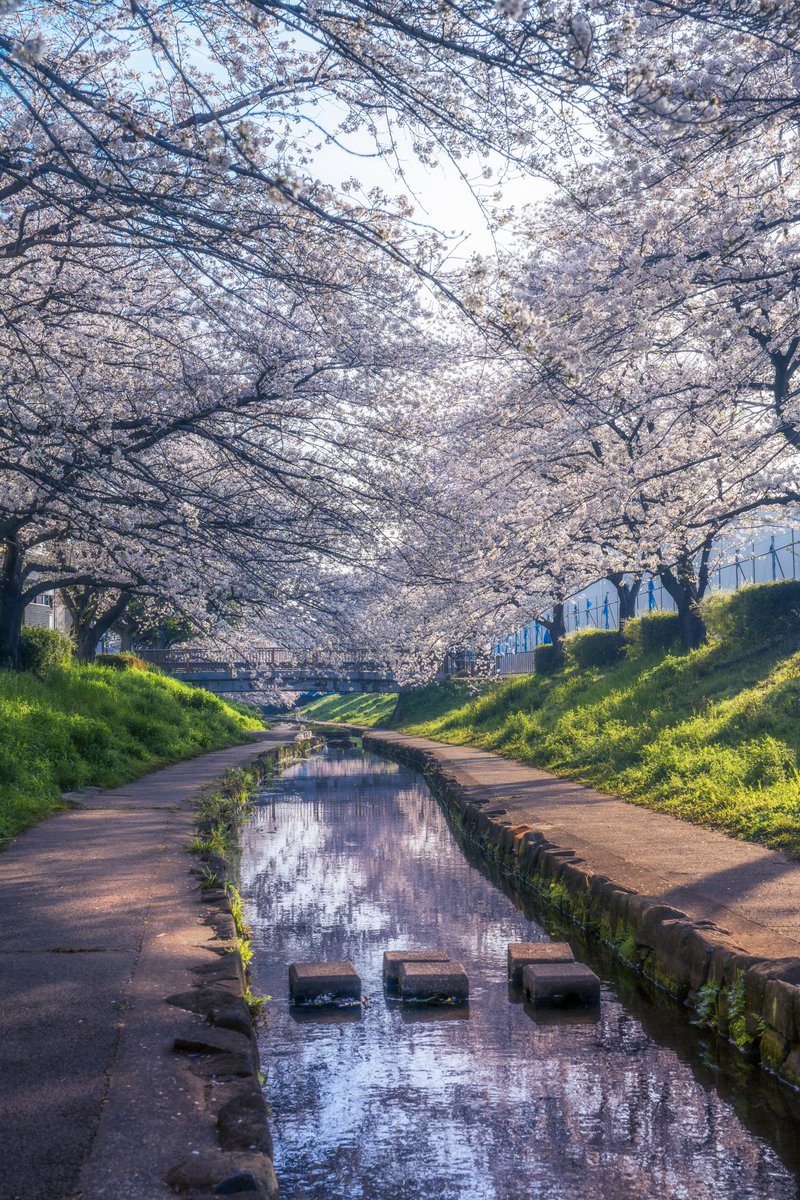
(687,588)
(627,594)
(85,641)
(693,628)
(87,627)
(556,626)
(12,604)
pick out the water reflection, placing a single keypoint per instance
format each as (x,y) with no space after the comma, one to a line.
(415,1013)
(351,856)
(328,1014)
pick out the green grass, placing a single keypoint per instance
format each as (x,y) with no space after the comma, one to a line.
(248,710)
(360,708)
(93,726)
(712,737)
(427,704)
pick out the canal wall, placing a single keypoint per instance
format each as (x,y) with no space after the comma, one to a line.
(226,1053)
(736,976)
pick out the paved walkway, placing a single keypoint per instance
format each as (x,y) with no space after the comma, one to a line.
(99,921)
(751,893)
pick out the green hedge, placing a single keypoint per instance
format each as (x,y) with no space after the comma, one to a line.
(44,650)
(547,660)
(595,648)
(657,633)
(758,614)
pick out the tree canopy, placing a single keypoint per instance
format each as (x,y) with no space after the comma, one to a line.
(246,396)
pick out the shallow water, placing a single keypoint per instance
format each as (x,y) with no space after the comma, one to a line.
(349,855)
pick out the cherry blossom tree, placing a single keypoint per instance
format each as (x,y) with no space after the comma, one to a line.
(225,389)
(648,405)
(658,317)
(652,404)
(154,427)
(196,128)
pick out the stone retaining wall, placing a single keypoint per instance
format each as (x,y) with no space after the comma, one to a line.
(225,1051)
(752,1001)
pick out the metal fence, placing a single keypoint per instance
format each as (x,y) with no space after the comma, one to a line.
(181,658)
(597,607)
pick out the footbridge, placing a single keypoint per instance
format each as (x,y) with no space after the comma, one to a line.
(338,669)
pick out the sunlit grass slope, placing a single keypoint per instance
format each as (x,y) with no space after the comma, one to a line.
(712,737)
(360,708)
(85,726)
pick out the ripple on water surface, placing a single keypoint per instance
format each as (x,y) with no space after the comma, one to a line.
(350,855)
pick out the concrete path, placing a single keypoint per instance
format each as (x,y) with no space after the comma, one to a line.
(99,920)
(753,894)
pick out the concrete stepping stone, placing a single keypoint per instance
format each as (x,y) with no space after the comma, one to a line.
(520,954)
(560,984)
(324,983)
(394,959)
(433,981)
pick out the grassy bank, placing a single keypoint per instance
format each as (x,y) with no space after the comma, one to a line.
(95,726)
(360,708)
(712,736)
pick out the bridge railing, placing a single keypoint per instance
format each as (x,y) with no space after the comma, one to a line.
(177,657)
(336,660)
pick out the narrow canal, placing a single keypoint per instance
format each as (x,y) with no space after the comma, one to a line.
(349,855)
